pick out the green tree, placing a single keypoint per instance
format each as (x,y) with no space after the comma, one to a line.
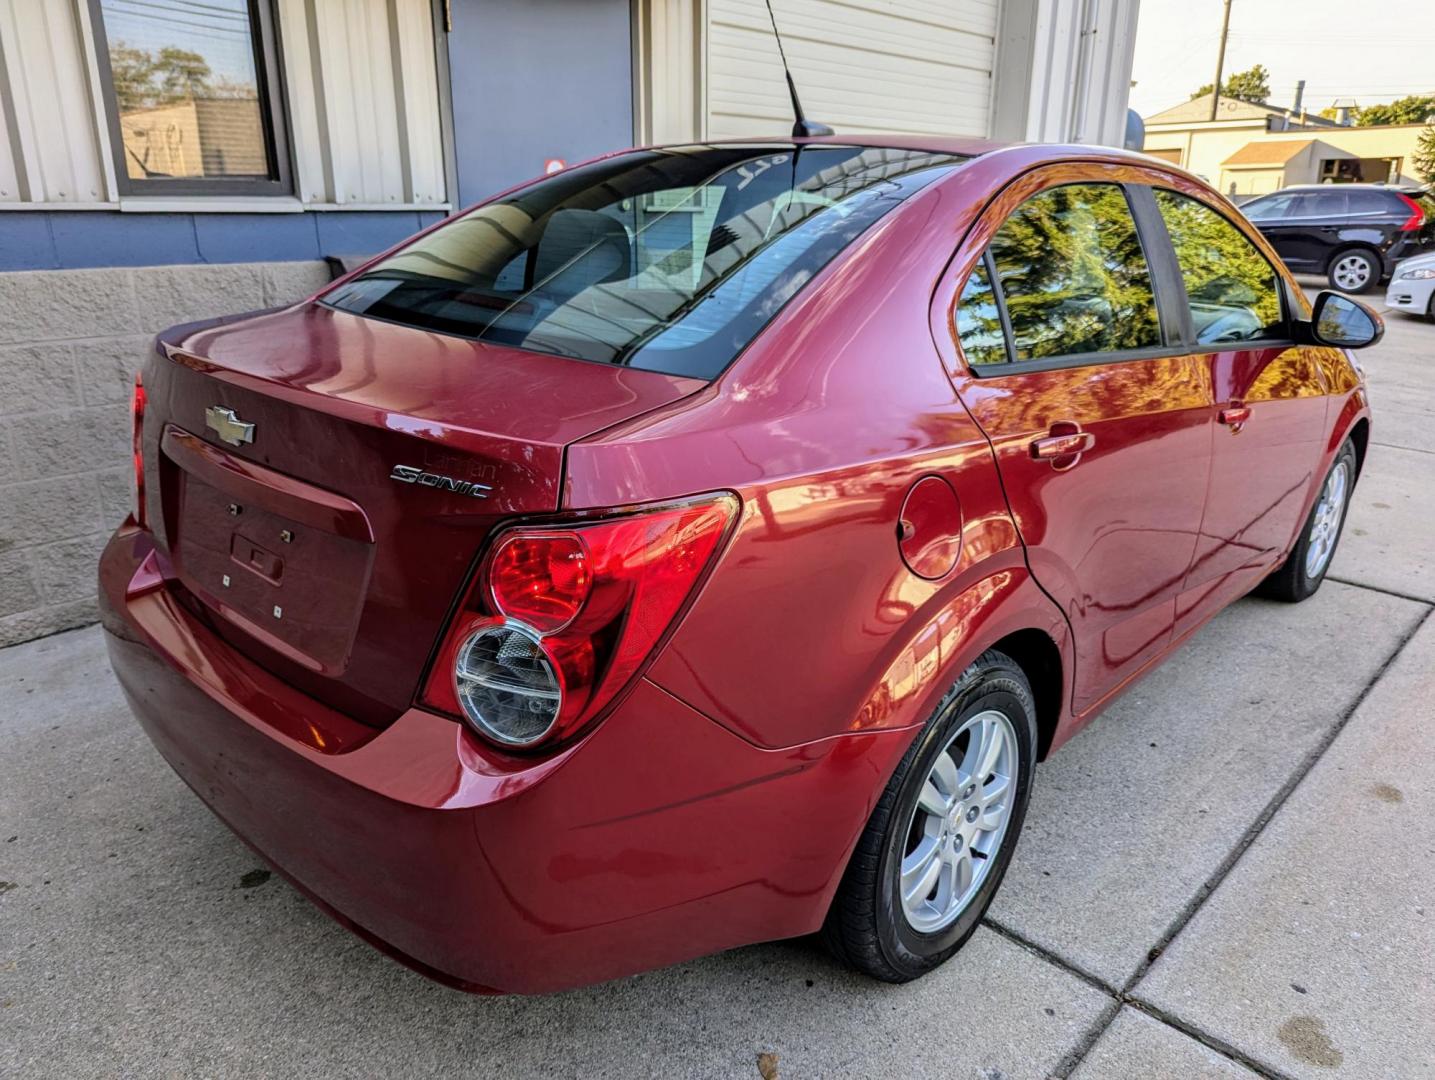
(182,74)
(1413,109)
(133,71)
(1253,84)
(144,80)
(1424,157)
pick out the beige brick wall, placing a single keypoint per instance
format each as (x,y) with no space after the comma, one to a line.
(70,343)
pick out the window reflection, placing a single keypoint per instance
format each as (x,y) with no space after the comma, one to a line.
(1233,291)
(1074,277)
(186,87)
(979,322)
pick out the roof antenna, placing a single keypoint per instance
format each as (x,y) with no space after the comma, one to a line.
(802,128)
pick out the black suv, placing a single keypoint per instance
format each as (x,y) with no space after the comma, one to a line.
(1352,233)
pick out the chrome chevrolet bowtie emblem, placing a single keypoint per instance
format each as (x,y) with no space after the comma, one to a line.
(224,423)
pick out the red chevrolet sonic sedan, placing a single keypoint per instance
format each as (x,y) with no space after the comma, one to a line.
(703,545)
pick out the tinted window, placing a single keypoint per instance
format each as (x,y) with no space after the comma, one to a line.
(1268,207)
(1073,275)
(670,260)
(1322,204)
(1373,202)
(1233,291)
(979,325)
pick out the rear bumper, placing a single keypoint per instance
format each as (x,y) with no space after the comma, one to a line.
(658,837)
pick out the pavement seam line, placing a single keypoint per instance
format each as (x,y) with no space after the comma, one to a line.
(1273,807)
(1378,589)
(1190,1030)
(1397,446)
(1077,1054)
(1125,996)
(1016,937)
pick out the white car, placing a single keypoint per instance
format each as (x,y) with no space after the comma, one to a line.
(1412,287)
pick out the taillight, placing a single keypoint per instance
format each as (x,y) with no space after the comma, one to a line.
(1417,213)
(137,404)
(559,620)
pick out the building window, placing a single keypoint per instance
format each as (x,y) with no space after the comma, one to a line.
(193,96)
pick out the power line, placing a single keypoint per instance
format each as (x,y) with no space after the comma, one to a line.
(175,9)
(234,32)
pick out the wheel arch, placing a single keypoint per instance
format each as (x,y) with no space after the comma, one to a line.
(1359,436)
(1039,658)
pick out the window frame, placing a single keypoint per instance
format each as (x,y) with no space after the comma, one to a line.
(273,115)
(1167,284)
(1190,346)
(1167,315)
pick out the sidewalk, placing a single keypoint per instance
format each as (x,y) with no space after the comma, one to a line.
(1231,874)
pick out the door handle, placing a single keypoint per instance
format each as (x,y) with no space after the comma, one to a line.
(1052,447)
(1235,415)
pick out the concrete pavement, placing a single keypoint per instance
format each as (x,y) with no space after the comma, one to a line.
(1183,904)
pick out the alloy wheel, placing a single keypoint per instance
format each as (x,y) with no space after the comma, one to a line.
(1352,272)
(957,826)
(1325,523)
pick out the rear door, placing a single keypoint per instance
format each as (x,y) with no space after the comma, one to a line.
(1100,422)
(1270,402)
(1272,215)
(1312,230)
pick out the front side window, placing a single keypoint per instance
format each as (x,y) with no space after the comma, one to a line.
(670,260)
(1073,275)
(191,90)
(1269,207)
(1233,291)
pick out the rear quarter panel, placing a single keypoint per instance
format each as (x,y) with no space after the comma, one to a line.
(812,625)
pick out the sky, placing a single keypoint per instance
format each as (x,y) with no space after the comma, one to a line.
(216,29)
(1370,50)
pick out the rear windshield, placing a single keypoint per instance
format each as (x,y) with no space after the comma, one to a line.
(670,260)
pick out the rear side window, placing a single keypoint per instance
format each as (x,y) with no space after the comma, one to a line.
(1323,204)
(670,260)
(1370,203)
(1073,275)
(979,323)
(1234,293)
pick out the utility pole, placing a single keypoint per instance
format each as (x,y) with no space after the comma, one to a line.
(1221,59)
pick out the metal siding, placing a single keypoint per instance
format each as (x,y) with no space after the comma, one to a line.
(534,80)
(51,147)
(303,84)
(418,100)
(1056,84)
(360,78)
(861,66)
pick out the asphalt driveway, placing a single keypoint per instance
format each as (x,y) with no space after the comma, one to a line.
(1231,874)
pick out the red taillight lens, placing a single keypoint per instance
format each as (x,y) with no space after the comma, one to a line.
(1417,214)
(137,404)
(559,621)
(541,579)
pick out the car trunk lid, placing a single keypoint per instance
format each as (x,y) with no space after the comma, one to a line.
(325,481)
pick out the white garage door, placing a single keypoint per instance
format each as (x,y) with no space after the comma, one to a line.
(918,66)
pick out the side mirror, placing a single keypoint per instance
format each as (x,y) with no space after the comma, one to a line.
(1340,321)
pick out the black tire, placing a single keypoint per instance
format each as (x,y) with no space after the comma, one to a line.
(1341,259)
(866,927)
(1290,581)
(1430,308)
